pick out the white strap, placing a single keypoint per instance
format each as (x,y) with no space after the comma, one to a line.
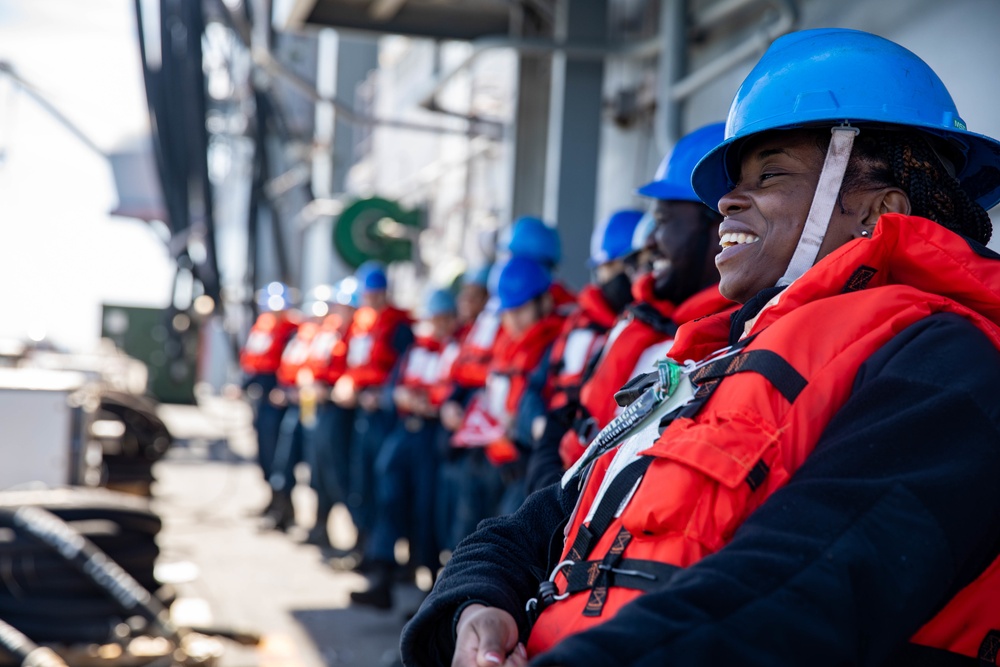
(827,191)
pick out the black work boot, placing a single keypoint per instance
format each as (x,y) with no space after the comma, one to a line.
(266,509)
(351,560)
(379,593)
(318,536)
(281,515)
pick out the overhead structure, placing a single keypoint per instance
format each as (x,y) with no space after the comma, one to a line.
(589,71)
(170,45)
(416,18)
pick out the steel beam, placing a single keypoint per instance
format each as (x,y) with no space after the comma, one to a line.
(574,135)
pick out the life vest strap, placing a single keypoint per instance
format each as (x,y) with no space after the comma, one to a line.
(588,535)
(781,374)
(654,319)
(597,576)
(601,582)
(788,381)
(634,573)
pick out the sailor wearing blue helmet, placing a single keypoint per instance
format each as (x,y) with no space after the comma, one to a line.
(823,490)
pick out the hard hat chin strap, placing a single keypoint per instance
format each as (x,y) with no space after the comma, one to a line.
(827,191)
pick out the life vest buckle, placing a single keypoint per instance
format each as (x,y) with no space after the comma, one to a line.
(548,592)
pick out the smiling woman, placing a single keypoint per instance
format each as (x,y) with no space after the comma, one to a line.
(766,211)
(778,175)
(820,487)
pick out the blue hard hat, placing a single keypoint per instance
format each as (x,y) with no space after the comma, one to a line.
(643,230)
(274,296)
(372,276)
(613,239)
(828,76)
(440,302)
(347,292)
(672,180)
(520,280)
(534,239)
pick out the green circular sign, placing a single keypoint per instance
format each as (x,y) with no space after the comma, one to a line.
(376,228)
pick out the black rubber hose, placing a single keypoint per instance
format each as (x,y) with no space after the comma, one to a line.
(140,522)
(80,552)
(118,522)
(28,652)
(68,631)
(146,430)
(105,540)
(73,496)
(68,584)
(63,606)
(27,563)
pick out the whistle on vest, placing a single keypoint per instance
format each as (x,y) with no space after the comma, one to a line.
(669,376)
(635,388)
(664,379)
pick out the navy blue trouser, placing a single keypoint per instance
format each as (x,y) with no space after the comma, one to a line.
(469,490)
(328,445)
(266,421)
(370,430)
(406,473)
(288,453)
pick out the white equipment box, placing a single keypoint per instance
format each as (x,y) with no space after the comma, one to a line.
(43,427)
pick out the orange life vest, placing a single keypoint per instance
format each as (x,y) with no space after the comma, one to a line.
(563,298)
(328,351)
(643,335)
(508,379)
(421,366)
(580,341)
(295,357)
(442,387)
(266,342)
(475,354)
(749,428)
(370,354)
(509,371)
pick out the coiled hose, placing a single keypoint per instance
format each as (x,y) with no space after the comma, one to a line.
(26,651)
(78,583)
(83,555)
(128,461)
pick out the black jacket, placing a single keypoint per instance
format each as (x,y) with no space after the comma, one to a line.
(897,509)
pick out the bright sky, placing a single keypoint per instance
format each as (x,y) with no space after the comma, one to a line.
(61,253)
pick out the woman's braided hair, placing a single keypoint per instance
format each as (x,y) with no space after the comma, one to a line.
(907,160)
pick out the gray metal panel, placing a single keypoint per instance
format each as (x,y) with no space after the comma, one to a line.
(574,136)
(357,57)
(422,18)
(534,81)
(298,53)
